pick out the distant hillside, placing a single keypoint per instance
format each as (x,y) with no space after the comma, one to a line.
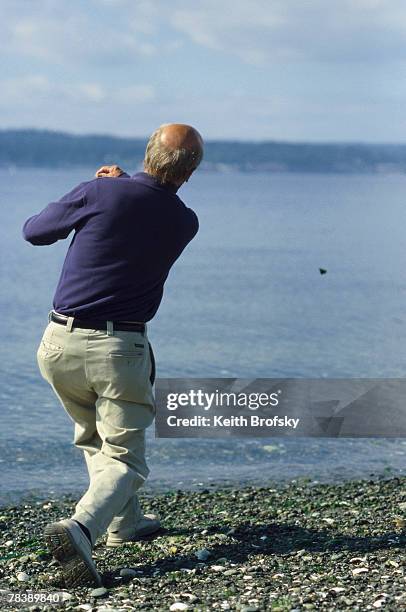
(55,149)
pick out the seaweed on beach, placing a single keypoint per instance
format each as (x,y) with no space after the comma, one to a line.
(301,546)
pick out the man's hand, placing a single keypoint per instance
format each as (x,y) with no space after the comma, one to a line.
(109,171)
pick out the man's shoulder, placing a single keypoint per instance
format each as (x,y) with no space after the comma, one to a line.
(107,185)
(189,216)
(189,211)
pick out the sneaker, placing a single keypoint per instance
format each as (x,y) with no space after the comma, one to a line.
(148,524)
(69,545)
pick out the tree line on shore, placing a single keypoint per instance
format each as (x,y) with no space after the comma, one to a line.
(44,148)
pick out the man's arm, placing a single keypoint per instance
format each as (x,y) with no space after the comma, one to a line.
(58,219)
(192,225)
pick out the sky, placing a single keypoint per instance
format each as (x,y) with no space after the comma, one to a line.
(290,70)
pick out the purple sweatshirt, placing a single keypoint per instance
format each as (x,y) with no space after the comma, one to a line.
(128,232)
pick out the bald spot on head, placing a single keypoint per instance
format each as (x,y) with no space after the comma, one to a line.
(181,136)
(173,153)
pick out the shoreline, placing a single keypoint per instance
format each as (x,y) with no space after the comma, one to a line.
(293,546)
(164,485)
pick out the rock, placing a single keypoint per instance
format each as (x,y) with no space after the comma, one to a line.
(99,592)
(178,605)
(127,572)
(22,577)
(65,596)
(310,572)
(360,570)
(337,590)
(230,572)
(192,598)
(203,554)
(358,560)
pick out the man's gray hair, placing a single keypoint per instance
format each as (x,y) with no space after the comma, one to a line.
(169,165)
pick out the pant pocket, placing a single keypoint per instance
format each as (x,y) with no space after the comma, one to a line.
(49,352)
(127,375)
(49,349)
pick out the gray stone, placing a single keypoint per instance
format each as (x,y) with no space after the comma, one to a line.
(203,554)
(99,592)
(127,572)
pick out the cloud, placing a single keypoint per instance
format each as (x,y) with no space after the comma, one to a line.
(62,33)
(260,31)
(94,92)
(256,32)
(261,68)
(134,94)
(30,91)
(23,88)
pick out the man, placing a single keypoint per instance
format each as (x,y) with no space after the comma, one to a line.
(128,232)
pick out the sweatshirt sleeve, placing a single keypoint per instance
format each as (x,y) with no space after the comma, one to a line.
(189,222)
(192,226)
(194,223)
(58,219)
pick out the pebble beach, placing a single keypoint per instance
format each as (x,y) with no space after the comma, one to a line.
(300,546)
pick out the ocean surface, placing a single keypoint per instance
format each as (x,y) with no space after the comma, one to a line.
(246,300)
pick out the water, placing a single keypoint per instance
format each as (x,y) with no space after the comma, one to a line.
(246,300)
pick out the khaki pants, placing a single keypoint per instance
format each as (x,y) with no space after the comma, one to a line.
(104,381)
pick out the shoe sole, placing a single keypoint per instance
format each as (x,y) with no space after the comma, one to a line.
(111,543)
(76,570)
